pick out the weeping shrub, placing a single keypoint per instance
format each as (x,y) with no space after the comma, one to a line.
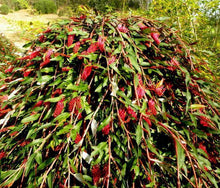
(45,6)
(109,102)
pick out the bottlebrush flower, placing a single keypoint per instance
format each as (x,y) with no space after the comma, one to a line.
(86,72)
(96,174)
(82,17)
(160,91)
(25,143)
(41,38)
(155,36)
(77,139)
(38,104)
(122,114)
(204,121)
(106,130)
(140,92)
(70,40)
(2,154)
(9,70)
(59,108)
(142,26)
(75,104)
(47,58)
(101,43)
(56,92)
(202,147)
(47,31)
(122,28)
(76,47)
(65,69)
(147,120)
(26,73)
(92,48)
(132,112)
(151,105)
(111,60)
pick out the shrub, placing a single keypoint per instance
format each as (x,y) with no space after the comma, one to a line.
(45,6)
(109,102)
(4,9)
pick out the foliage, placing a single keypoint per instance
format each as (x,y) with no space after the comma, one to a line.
(45,6)
(109,102)
(4,9)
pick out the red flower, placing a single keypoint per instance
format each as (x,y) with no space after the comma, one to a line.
(25,143)
(101,43)
(9,70)
(47,58)
(132,112)
(47,31)
(59,108)
(106,129)
(86,72)
(57,92)
(2,154)
(151,105)
(147,120)
(155,36)
(76,47)
(140,92)
(142,26)
(202,147)
(70,40)
(77,139)
(39,103)
(96,174)
(111,60)
(160,91)
(122,28)
(41,38)
(204,121)
(92,48)
(82,17)
(75,104)
(122,114)
(26,73)
(65,69)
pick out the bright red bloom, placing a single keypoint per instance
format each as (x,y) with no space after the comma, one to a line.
(25,143)
(26,73)
(160,91)
(96,174)
(47,31)
(151,105)
(202,147)
(142,26)
(2,154)
(86,72)
(132,112)
(111,60)
(41,38)
(47,58)
(147,120)
(204,121)
(57,92)
(106,129)
(39,103)
(101,43)
(122,28)
(65,69)
(75,104)
(122,114)
(76,47)
(9,70)
(82,17)
(59,108)
(78,138)
(92,48)
(70,40)
(155,36)
(140,92)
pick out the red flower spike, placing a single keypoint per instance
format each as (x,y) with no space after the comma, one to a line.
(25,143)
(26,74)
(101,43)
(155,36)
(122,28)
(82,17)
(76,47)
(2,155)
(106,129)
(41,38)
(47,58)
(70,40)
(202,147)
(77,139)
(132,112)
(56,92)
(96,174)
(47,31)
(59,108)
(92,48)
(38,104)
(86,72)
(111,60)
(151,105)
(142,26)
(122,114)
(140,92)
(75,103)
(147,120)
(9,70)
(204,121)
(160,91)
(65,69)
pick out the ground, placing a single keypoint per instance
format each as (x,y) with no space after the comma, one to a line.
(18,26)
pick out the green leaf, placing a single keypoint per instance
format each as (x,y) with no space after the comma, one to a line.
(62,117)
(55,99)
(180,154)
(138,134)
(50,180)
(104,123)
(134,62)
(30,164)
(30,118)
